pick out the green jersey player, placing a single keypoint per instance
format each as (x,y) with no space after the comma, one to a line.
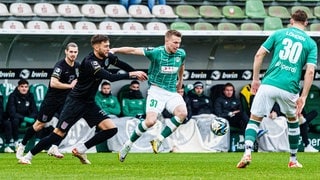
(293,50)
(165,77)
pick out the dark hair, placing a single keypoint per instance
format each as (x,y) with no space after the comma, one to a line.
(299,15)
(105,83)
(96,39)
(228,85)
(22,81)
(134,82)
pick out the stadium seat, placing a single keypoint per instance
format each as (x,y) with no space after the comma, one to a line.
(156,26)
(233,12)
(305,9)
(41,25)
(116,11)
(39,91)
(61,25)
(316,11)
(207,11)
(315,27)
(163,11)
(12,25)
(227,27)
(21,9)
(250,27)
(132,26)
(92,10)
(85,26)
(204,26)
(140,11)
(186,11)
(69,10)
(180,26)
(4,12)
(45,10)
(255,9)
(109,25)
(279,11)
(272,23)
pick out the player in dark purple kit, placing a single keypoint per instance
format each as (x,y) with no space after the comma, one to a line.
(63,79)
(80,101)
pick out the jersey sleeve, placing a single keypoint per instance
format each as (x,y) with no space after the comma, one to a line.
(57,72)
(268,44)
(312,56)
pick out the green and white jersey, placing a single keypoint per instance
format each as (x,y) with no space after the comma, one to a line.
(293,49)
(163,69)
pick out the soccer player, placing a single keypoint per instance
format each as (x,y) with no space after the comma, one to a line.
(165,77)
(63,79)
(80,101)
(293,49)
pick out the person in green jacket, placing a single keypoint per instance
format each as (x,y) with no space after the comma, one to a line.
(106,101)
(133,103)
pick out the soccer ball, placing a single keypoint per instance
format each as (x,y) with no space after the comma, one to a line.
(219,126)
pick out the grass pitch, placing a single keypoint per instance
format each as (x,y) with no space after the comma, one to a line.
(161,166)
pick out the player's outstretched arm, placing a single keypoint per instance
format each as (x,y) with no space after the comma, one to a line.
(128,50)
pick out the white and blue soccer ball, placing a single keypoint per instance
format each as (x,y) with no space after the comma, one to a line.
(219,126)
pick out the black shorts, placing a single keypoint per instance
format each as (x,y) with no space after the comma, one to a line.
(49,107)
(74,109)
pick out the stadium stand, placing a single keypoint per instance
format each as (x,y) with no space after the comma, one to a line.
(180,26)
(45,11)
(69,10)
(37,25)
(227,26)
(12,24)
(315,27)
(255,9)
(109,25)
(250,27)
(233,12)
(21,9)
(163,11)
(207,11)
(156,26)
(203,26)
(116,11)
(316,11)
(140,11)
(132,26)
(279,11)
(186,11)
(85,26)
(61,25)
(4,12)
(272,23)
(92,10)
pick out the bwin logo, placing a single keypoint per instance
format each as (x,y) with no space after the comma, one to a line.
(25,73)
(216,75)
(247,75)
(186,75)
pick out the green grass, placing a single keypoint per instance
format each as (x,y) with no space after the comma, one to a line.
(161,166)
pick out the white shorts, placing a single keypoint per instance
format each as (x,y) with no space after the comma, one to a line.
(158,99)
(267,95)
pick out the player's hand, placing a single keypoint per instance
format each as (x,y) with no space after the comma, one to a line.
(140,75)
(300,105)
(73,83)
(255,84)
